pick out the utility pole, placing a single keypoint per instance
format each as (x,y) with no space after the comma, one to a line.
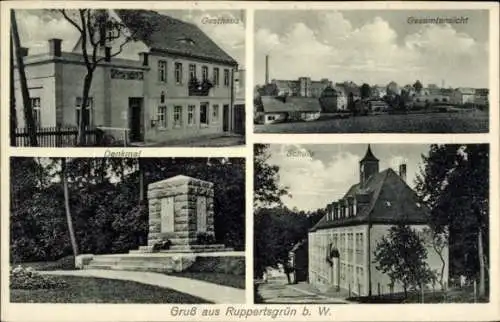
(28,109)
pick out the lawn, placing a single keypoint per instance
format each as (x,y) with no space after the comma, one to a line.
(463,122)
(458,295)
(236,281)
(65,263)
(98,290)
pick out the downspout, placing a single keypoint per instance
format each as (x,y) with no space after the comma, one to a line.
(231,106)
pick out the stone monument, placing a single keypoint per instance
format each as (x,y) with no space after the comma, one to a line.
(181,216)
(181,234)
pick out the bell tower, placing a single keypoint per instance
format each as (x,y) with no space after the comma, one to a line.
(368,166)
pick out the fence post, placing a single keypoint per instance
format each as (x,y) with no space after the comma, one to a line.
(359,289)
(349,289)
(422,290)
(378,288)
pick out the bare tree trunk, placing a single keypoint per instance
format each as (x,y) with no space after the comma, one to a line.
(482,289)
(69,218)
(13,113)
(85,99)
(28,109)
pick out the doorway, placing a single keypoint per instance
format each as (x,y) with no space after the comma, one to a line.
(225,118)
(135,119)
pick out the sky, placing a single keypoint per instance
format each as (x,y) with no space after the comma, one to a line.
(38,26)
(318,174)
(373,46)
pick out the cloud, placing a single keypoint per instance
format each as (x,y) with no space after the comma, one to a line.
(313,183)
(36,27)
(372,52)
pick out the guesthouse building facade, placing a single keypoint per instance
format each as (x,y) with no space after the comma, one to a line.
(174,83)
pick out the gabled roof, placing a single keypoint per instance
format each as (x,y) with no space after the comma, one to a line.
(174,36)
(392,202)
(273,104)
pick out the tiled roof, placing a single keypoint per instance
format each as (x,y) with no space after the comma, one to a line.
(292,104)
(175,36)
(392,202)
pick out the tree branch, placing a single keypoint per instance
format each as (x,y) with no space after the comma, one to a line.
(71,21)
(84,39)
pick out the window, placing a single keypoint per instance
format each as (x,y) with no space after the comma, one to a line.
(204,73)
(178,73)
(162,71)
(204,113)
(37,116)
(216,76)
(87,112)
(191,111)
(162,117)
(215,113)
(226,77)
(177,116)
(192,71)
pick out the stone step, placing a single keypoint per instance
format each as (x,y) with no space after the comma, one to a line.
(137,267)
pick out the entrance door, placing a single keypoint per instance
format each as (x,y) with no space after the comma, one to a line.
(225,118)
(135,119)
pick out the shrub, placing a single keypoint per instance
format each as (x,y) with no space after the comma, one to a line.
(29,279)
(205,238)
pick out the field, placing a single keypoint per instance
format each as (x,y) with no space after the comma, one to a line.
(462,122)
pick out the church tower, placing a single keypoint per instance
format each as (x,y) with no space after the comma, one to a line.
(368,166)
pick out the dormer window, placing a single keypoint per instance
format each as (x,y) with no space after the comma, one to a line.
(186,40)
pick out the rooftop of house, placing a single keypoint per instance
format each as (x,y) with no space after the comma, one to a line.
(466,90)
(173,36)
(391,201)
(273,104)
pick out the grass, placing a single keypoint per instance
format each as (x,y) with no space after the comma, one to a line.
(99,290)
(236,281)
(65,263)
(458,295)
(462,122)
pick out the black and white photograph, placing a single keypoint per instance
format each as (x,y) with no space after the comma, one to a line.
(371,223)
(127,230)
(371,71)
(127,77)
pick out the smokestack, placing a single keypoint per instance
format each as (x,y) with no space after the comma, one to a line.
(267,69)
(402,171)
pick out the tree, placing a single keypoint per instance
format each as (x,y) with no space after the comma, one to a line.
(350,103)
(454,183)
(418,86)
(402,256)
(28,108)
(69,218)
(267,190)
(97,30)
(438,240)
(365,91)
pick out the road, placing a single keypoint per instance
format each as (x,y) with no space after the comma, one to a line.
(277,291)
(462,122)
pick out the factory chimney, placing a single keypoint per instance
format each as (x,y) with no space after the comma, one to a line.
(402,171)
(267,69)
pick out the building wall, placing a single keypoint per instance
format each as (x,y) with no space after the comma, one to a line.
(59,84)
(352,243)
(41,84)
(177,95)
